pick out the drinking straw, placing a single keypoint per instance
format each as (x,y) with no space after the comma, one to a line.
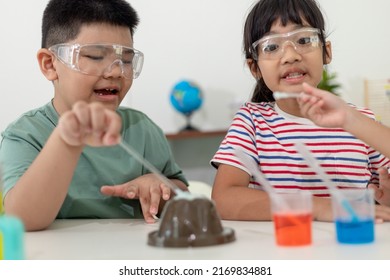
(153,169)
(313,163)
(316,166)
(254,169)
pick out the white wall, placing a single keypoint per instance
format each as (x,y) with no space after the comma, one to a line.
(198,40)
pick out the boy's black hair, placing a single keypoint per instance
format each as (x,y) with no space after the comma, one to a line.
(62,19)
(259,22)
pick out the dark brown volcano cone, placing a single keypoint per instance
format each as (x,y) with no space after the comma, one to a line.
(187,222)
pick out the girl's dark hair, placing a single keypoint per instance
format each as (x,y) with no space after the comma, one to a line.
(260,19)
(62,19)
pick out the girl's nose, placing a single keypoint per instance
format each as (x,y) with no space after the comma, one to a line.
(290,53)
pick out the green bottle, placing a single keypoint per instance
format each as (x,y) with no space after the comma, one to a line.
(1,193)
(1,213)
(1,247)
(11,233)
(11,238)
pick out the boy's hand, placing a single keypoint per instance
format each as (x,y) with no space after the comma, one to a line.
(90,124)
(147,188)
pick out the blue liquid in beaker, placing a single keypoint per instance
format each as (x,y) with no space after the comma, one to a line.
(355,232)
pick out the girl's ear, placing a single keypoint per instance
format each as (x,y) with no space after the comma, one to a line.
(46,64)
(328,54)
(254,68)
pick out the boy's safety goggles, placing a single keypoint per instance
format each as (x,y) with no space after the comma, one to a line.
(303,40)
(96,59)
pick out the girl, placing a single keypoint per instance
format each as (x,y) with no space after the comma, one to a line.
(285,46)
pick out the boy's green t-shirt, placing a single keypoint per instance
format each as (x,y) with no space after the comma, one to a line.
(24,139)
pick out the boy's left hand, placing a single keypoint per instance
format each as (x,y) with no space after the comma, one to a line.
(147,188)
(382,192)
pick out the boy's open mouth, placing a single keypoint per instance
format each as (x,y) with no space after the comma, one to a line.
(106,91)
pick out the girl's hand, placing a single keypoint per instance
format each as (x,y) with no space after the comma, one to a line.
(322,107)
(382,213)
(382,192)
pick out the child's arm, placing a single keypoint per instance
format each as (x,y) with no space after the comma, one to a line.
(327,110)
(38,195)
(235,201)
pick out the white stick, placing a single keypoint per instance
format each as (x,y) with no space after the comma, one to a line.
(149,166)
(280,95)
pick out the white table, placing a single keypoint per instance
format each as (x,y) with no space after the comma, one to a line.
(127,239)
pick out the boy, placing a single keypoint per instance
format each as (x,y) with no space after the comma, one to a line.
(61,160)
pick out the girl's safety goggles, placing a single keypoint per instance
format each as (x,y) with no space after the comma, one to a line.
(303,40)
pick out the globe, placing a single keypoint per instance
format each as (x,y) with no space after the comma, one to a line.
(186,97)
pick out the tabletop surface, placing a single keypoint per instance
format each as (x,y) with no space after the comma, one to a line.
(120,239)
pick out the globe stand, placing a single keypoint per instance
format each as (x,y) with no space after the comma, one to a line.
(188,126)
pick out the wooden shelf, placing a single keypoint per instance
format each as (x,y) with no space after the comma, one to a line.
(195,134)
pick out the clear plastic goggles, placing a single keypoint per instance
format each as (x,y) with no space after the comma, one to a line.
(303,40)
(96,59)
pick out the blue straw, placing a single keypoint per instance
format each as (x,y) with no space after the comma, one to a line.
(313,163)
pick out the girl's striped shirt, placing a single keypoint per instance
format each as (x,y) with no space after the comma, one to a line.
(268,134)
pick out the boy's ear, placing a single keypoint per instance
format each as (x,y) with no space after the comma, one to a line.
(46,64)
(254,68)
(328,54)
